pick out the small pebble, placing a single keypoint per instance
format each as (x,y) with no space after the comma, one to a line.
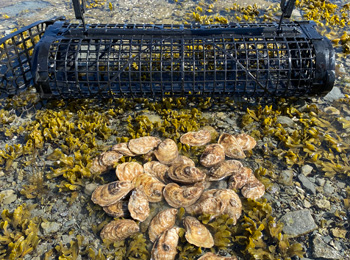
(323,204)
(306,169)
(89,188)
(8,196)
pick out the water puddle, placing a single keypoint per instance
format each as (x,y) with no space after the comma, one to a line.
(24,8)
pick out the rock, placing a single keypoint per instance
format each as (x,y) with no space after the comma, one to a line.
(89,188)
(306,169)
(286,177)
(323,204)
(2,173)
(7,196)
(328,188)
(307,184)
(334,94)
(307,204)
(297,223)
(340,184)
(50,227)
(320,181)
(340,233)
(321,250)
(285,121)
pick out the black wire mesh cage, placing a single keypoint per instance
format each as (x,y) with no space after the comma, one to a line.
(146,60)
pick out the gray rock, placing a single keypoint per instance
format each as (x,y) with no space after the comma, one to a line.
(320,181)
(321,250)
(297,223)
(323,204)
(285,121)
(286,177)
(328,188)
(306,169)
(8,196)
(340,184)
(307,184)
(334,94)
(50,227)
(89,188)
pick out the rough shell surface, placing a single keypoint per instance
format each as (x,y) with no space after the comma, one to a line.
(138,205)
(224,169)
(165,247)
(197,234)
(117,209)
(143,145)
(212,256)
(164,220)
(123,149)
(231,146)
(199,138)
(247,142)
(151,186)
(183,160)
(166,151)
(254,189)
(108,194)
(96,166)
(181,196)
(186,174)
(239,179)
(157,169)
(234,204)
(120,229)
(110,158)
(128,171)
(212,155)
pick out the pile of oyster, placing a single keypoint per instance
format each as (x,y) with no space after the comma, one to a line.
(176,179)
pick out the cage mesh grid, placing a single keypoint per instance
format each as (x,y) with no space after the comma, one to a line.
(16,51)
(153,65)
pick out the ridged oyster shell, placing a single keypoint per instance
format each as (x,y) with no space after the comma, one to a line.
(118,230)
(151,186)
(166,151)
(181,196)
(109,158)
(254,189)
(239,179)
(212,155)
(183,160)
(224,169)
(108,194)
(164,220)
(197,234)
(186,174)
(138,205)
(245,141)
(231,146)
(156,169)
(143,145)
(128,171)
(123,149)
(118,209)
(199,138)
(212,256)
(165,247)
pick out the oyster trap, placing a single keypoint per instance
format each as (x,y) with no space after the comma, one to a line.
(65,60)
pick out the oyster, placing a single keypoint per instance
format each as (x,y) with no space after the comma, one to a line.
(157,169)
(197,234)
(212,155)
(151,186)
(97,166)
(186,174)
(231,146)
(119,230)
(181,160)
(165,247)
(181,196)
(234,204)
(245,141)
(123,149)
(118,209)
(128,171)
(212,256)
(240,178)
(109,158)
(143,145)
(166,151)
(224,169)
(254,189)
(138,205)
(164,220)
(108,194)
(199,138)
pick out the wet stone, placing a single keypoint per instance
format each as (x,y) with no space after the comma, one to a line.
(306,169)
(323,204)
(297,223)
(8,196)
(321,250)
(89,188)
(334,94)
(320,181)
(50,227)
(328,188)
(307,184)
(286,177)
(285,121)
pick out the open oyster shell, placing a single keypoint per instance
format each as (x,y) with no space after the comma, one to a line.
(151,186)
(181,196)
(108,194)
(199,138)
(119,230)
(118,209)
(128,171)
(164,220)
(212,256)
(143,145)
(165,247)
(157,169)
(166,151)
(212,155)
(186,174)
(240,178)
(245,141)
(123,149)
(138,205)
(231,146)
(254,189)
(197,234)
(224,169)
